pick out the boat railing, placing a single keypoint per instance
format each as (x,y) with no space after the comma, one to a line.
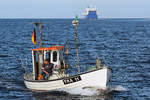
(60,74)
(29,76)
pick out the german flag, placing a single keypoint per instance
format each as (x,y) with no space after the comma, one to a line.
(34,40)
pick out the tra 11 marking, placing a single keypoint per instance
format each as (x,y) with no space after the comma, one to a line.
(72,80)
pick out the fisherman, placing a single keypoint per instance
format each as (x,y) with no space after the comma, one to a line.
(46,70)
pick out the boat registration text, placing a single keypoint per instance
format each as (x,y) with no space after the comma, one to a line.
(72,80)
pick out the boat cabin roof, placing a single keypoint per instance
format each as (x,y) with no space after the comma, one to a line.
(49,48)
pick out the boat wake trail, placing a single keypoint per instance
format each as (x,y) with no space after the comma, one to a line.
(81,91)
(118,88)
(94,91)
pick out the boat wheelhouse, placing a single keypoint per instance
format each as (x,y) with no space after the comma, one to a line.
(53,53)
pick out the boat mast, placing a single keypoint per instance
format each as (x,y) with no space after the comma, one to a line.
(75,24)
(40,53)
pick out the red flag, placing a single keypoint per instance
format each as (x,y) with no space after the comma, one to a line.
(34,40)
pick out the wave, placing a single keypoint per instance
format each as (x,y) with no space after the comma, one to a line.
(94,91)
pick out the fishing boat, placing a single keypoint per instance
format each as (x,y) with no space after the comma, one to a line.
(98,76)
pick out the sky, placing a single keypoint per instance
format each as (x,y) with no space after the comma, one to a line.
(71,8)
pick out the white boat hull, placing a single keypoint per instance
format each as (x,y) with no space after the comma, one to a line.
(96,78)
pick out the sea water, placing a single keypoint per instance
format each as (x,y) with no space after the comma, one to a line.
(121,44)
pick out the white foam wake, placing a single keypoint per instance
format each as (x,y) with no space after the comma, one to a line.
(81,91)
(89,91)
(118,88)
(93,91)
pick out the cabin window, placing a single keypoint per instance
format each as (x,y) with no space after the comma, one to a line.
(47,55)
(54,56)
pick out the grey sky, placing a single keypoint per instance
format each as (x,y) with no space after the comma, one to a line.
(70,8)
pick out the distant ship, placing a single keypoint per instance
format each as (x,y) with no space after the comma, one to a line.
(91,13)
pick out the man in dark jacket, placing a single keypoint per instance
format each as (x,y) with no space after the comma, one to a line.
(47,69)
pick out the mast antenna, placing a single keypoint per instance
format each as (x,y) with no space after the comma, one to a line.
(75,23)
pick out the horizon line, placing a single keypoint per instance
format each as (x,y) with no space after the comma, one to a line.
(73,18)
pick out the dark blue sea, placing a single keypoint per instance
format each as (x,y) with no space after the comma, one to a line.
(121,44)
